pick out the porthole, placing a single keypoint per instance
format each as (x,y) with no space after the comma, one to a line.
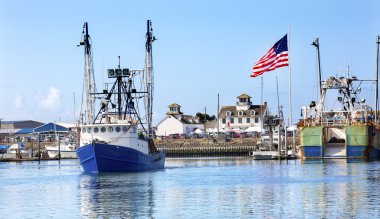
(117,129)
(110,129)
(96,130)
(125,128)
(103,129)
(89,130)
(84,130)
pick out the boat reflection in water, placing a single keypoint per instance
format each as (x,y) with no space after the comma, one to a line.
(109,195)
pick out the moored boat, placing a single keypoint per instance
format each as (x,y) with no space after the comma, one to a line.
(116,139)
(349,132)
(18,151)
(66,150)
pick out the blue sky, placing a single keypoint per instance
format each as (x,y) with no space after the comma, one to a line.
(203,48)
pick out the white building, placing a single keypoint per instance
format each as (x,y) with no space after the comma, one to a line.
(243,115)
(177,123)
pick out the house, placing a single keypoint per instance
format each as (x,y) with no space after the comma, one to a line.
(176,122)
(243,115)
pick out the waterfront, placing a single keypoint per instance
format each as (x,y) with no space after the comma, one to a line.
(194,188)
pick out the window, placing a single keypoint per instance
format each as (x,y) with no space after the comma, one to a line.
(223,121)
(96,130)
(228,113)
(256,119)
(84,130)
(132,129)
(117,129)
(110,129)
(125,128)
(232,120)
(241,113)
(248,120)
(89,130)
(253,112)
(103,129)
(240,120)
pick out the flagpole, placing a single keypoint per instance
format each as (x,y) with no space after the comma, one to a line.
(290,95)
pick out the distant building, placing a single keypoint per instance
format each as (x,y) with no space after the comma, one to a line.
(8,128)
(19,124)
(15,131)
(243,115)
(177,123)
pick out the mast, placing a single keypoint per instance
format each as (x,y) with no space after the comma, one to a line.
(377,78)
(149,77)
(316,44)
(89,81)
(321,93)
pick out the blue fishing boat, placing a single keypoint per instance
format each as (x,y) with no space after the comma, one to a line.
(117,138)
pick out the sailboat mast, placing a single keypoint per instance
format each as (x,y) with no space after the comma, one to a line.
(149,76)
(89,80)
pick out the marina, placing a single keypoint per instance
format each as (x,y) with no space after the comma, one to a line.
(225,187)
(193,109)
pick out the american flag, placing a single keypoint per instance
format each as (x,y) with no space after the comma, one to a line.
(276,57)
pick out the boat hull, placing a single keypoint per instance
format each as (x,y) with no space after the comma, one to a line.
(98,157)
(360,142)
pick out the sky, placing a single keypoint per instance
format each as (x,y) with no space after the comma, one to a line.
(204,48)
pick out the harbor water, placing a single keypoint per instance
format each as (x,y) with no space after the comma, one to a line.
(194,188)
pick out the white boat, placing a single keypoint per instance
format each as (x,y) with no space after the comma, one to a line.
(18,150)
(66,150)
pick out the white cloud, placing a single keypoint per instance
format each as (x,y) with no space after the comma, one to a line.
(18,101)
(52,101)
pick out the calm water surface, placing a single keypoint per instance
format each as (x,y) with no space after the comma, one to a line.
(194,188)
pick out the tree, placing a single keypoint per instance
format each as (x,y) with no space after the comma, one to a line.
(201,117)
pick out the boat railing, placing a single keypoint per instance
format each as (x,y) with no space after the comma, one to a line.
(337,122)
